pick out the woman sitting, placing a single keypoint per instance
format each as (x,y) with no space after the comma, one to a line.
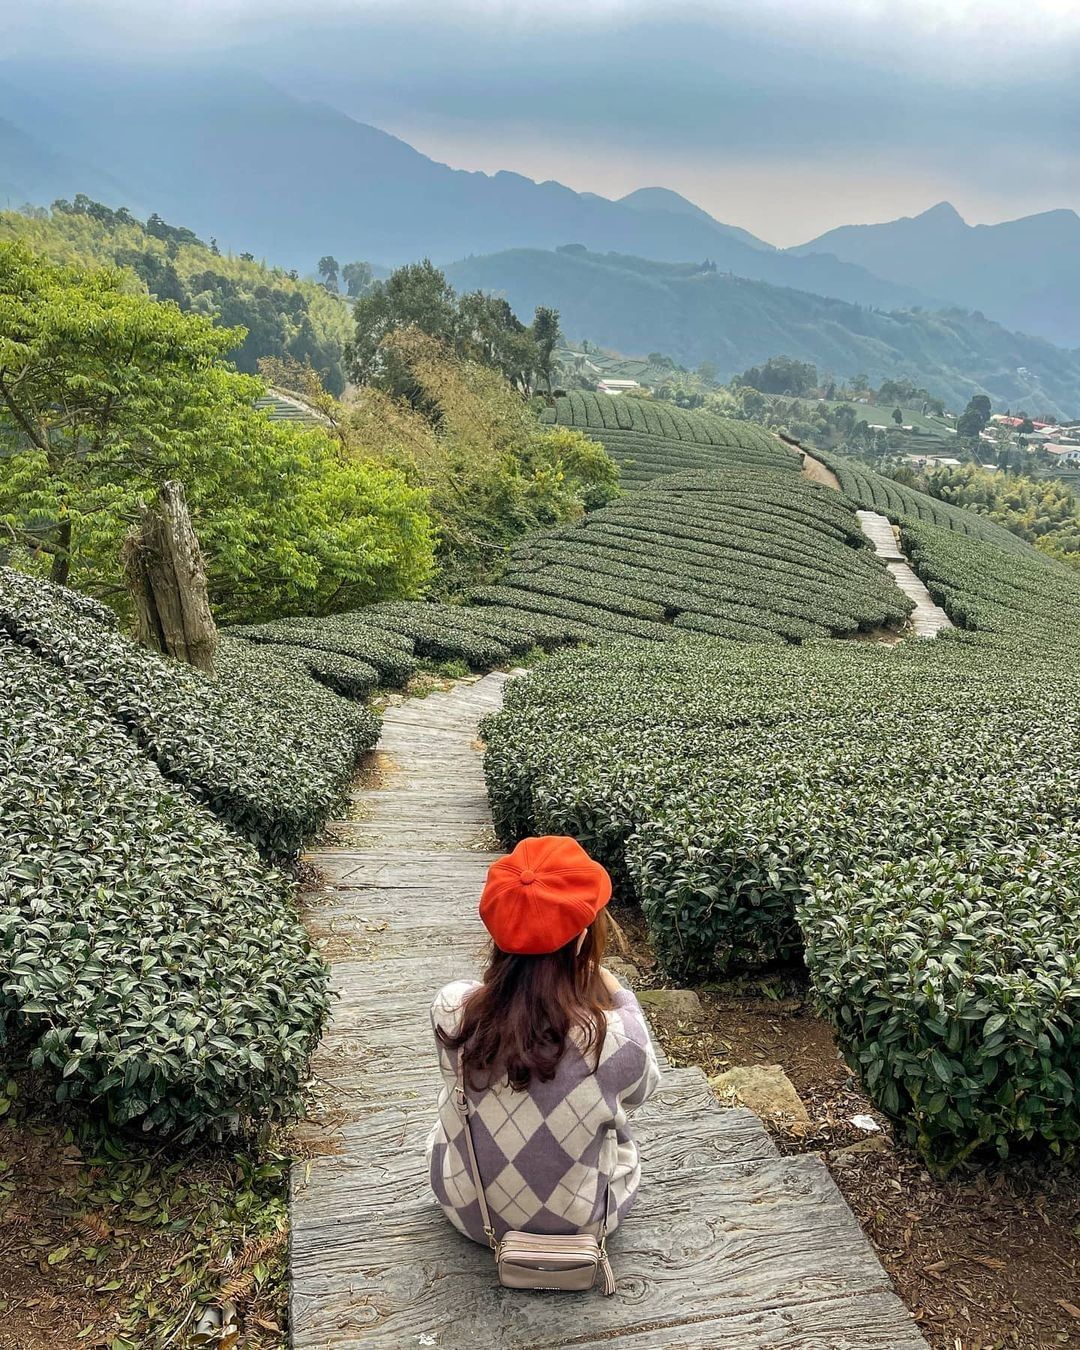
(554,1054)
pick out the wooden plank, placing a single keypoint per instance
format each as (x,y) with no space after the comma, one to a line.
(725,1241)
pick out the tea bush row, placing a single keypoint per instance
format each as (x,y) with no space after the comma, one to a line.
(149,961)
(642,457)
(1021,602)
(603,412)
(872,491)
(268,746)
(749,798)
(749,554)
(648,439)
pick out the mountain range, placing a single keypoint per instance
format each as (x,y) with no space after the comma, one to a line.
(236,158)
(638,305)
(1026,272)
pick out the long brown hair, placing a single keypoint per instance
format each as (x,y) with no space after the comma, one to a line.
(517,1023)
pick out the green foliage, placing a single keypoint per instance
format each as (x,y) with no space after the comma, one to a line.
(492,473)
(267,746)
(953,980)
(1042,511)
(149,962)
(104,394)
(476,327)
(780,375)
(282,316)
(910,811)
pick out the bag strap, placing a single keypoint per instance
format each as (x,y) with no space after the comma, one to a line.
(462,1100)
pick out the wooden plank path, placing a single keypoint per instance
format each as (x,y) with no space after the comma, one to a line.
(927,618)
(730,1244)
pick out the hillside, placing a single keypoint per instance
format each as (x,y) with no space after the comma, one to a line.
(648,439)
(635,305)
(213,147)
(284,315)
(1025,272)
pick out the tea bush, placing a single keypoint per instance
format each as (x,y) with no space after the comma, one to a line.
(235,743)
(953,981)
(149,961)
(749,798)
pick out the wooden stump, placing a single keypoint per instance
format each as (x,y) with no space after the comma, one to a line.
(165,572)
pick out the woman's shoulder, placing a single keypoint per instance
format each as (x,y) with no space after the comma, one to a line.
(447,1004)
(626,1020)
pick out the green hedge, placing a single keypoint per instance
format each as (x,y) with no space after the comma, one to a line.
(953,981)
(268,746)
(743,795)
(149,961)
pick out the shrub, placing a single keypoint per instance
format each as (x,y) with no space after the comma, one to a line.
(953,981)
(236,743)
(149,962)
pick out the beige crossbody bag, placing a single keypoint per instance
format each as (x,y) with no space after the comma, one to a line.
(568,1261)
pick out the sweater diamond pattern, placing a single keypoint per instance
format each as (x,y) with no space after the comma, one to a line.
(545,1153)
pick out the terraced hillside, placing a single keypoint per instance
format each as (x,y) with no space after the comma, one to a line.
(748,554)
(649,438)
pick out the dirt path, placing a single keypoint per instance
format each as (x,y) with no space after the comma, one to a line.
(815,470)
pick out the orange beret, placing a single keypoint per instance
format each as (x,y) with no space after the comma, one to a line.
(542,894)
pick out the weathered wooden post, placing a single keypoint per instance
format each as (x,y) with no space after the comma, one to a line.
(164,568)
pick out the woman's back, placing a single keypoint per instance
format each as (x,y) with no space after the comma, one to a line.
(546,1152)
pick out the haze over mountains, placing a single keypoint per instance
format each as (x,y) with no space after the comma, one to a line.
(236,158)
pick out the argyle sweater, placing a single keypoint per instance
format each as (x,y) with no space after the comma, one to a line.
(544,1152)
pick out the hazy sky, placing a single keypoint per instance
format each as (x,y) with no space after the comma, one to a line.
(784,116)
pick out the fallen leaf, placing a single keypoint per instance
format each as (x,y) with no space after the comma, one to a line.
(1070,1308)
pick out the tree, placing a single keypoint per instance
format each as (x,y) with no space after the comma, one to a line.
(974,418)
(106,394)
(545,333)
(477,327)
(414,296)
(780,375)
(492,471)
(358,278)
(328,273)
(898,416)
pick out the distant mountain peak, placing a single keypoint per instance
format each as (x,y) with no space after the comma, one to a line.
(944,213)
(675,204)
(663,199)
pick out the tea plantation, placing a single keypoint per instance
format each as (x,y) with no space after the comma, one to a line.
(908,814)
(648,438)
(904,817)
(901,816)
